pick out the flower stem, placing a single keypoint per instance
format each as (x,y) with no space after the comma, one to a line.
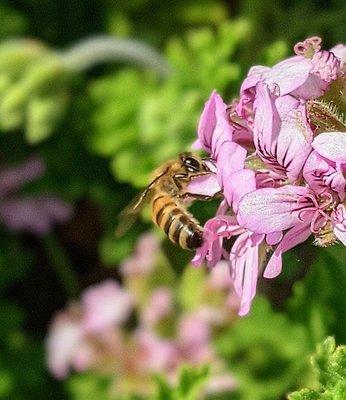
(100,49)
(60,262)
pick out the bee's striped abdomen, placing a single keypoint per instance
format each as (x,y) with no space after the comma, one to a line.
(179,226)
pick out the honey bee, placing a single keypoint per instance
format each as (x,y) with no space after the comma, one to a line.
(167,194)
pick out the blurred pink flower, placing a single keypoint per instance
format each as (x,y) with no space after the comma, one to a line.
(219,277)
(142,261)
(65,336)
(155,354)
(159,306)
(220,383)
(33,214)
(105,305)
(13,178)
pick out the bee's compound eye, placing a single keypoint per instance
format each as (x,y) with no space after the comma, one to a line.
(192,164)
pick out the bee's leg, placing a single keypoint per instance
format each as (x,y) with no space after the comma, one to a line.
(177,178)
(196,196)
(202,197)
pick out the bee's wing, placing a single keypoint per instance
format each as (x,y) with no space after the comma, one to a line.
(129,214)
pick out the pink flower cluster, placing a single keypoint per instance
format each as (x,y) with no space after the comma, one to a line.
(94,333)
(280,156)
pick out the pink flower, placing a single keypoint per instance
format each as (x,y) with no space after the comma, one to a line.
(220,276)
(156,354)
(194,333)
(296,209)
(36,215)
(64,337)
(142,261)
(105,305)
(220,383)
(159,306)
(282,180)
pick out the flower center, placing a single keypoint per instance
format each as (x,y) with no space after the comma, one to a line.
(315,209)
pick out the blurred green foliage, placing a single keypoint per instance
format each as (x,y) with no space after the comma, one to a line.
(101,132)
(189,384)
(159,118)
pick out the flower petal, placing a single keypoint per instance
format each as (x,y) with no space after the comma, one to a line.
(322,174)
(206,185)
(282,134)
(289,74)
(339,217)
(213,108)
(270,210)
(237,185)
(231,158)
(244,264)
(295,138)
(331,145)
(298,234)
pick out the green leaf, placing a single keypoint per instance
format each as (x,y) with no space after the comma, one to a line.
(329,364)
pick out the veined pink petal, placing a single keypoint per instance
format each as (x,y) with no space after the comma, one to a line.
(237,185)
(213,108)
(231,158)
(339,217)
(267,121)
(223,133)
(302,77)
(237,262)
(254,76)
(244,264)
(295,137)
(282,134)
(270,210)
(326,65)
(321,174)
(331,145)
(215,229)
(289,74)
(298,234)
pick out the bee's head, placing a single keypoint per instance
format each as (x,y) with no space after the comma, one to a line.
(193,164)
